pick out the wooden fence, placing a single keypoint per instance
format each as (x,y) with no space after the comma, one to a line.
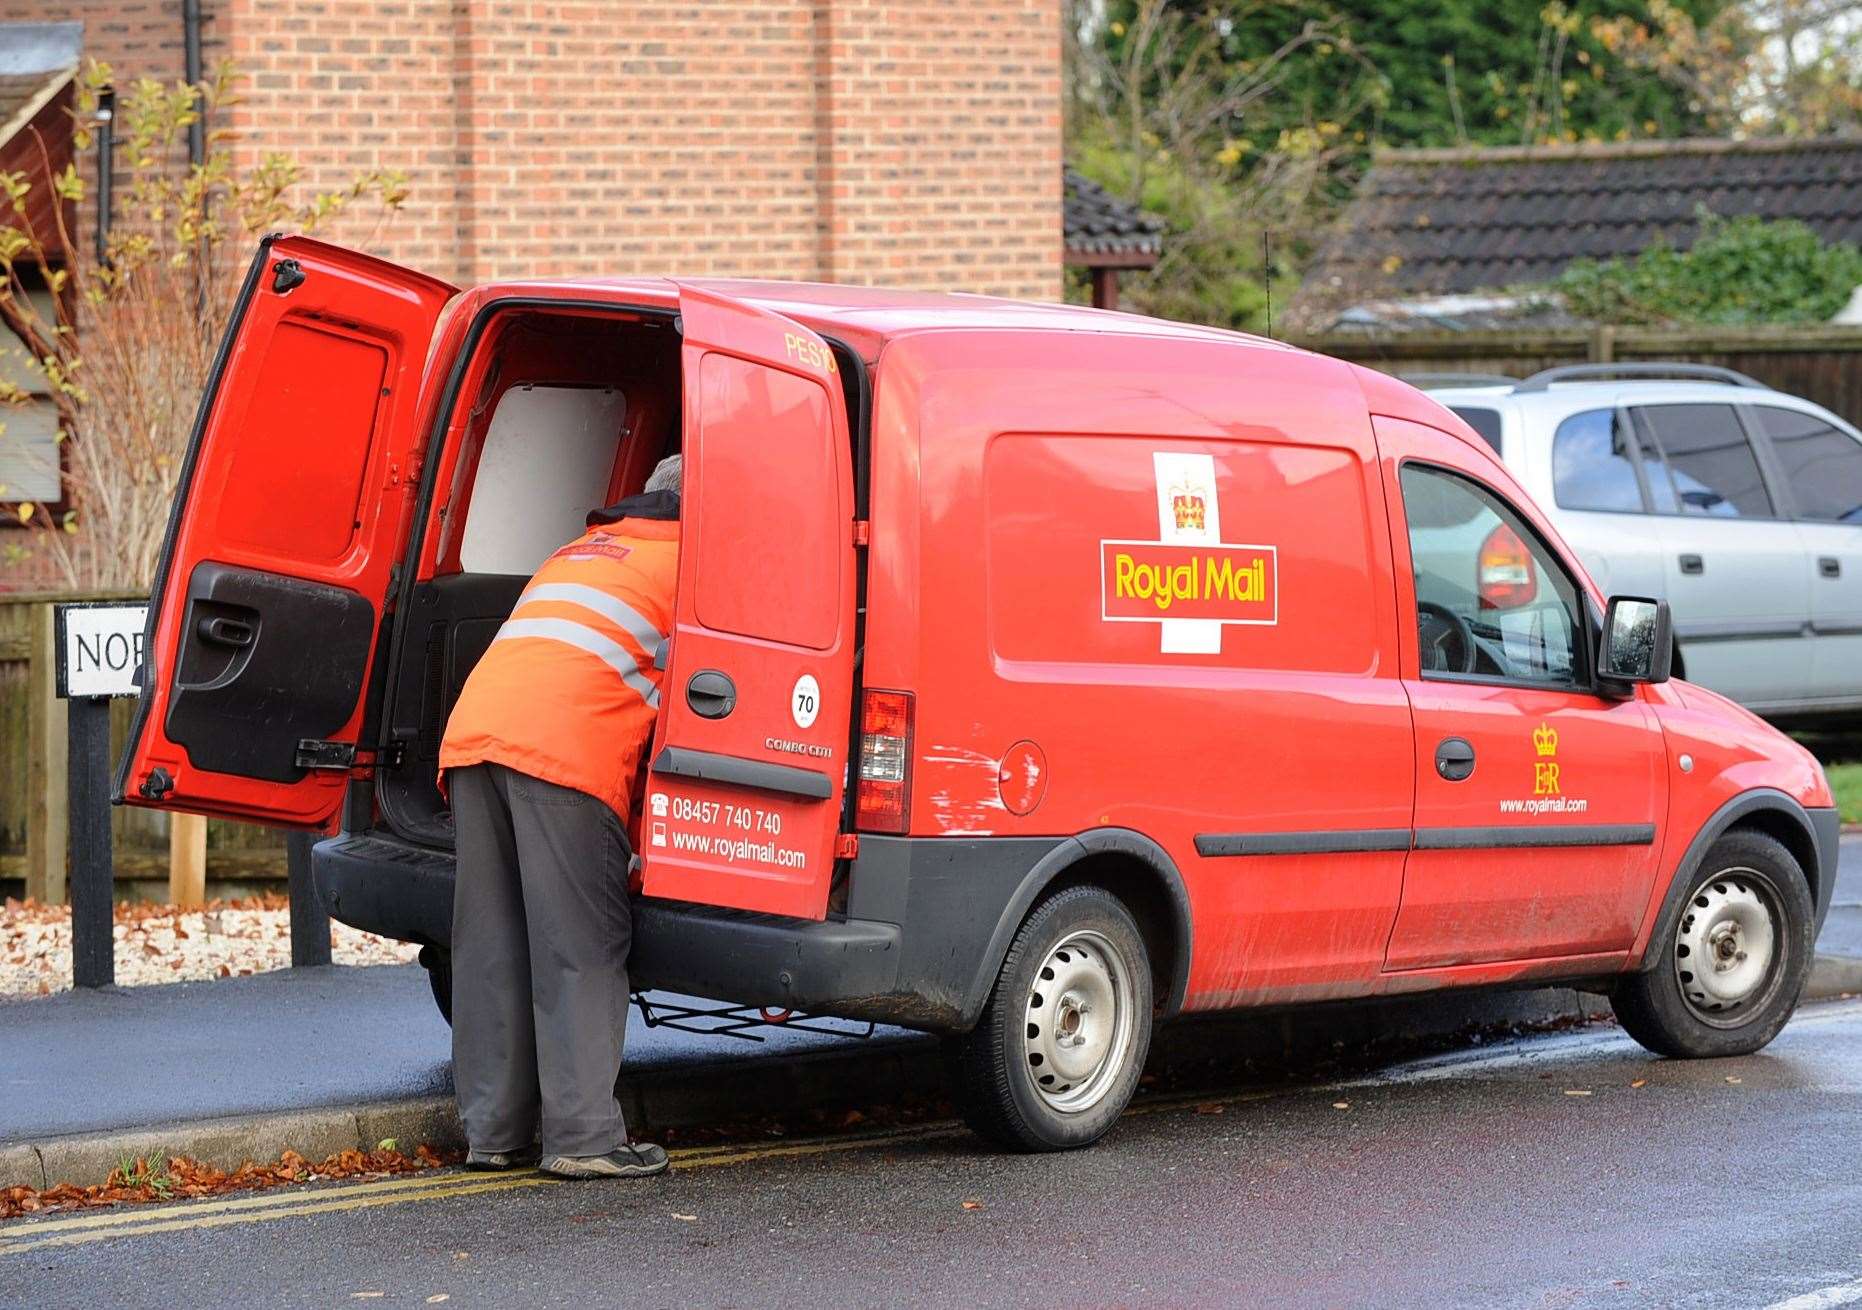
(1820,363)
(32,773)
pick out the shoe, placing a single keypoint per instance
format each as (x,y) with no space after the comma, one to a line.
(629,1160)
(498,1161)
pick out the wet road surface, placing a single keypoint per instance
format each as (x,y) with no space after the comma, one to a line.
(1538,1173)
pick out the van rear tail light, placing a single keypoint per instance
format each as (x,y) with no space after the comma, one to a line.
(883,798)
(1507,577)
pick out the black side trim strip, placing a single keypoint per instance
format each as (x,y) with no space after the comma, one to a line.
(1760,631)
(712,767)
(1563,834)
(1339,841)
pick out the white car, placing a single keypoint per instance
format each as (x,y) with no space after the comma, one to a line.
(1742,505)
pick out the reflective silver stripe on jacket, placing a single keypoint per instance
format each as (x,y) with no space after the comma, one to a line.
(583,637)
(611,608)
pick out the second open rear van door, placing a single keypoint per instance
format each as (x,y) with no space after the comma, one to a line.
(743,804)
(292,510)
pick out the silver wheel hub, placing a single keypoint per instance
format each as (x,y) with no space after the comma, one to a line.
(1079,1022)
(1725,944)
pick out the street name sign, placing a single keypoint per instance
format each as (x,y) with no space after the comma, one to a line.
(99,648)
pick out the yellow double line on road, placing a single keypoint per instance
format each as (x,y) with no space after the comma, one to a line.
(21,1236)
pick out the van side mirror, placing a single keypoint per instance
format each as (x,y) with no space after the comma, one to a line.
(1638,641)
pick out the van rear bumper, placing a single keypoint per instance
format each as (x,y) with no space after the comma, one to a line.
(919,950)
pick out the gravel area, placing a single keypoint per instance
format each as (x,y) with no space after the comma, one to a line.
(159,944)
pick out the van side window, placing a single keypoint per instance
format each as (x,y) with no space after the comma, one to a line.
(1591,463)
(1491,601)
(1822,463)
(1710,462)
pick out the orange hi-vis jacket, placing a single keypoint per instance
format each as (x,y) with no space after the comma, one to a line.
(568,691)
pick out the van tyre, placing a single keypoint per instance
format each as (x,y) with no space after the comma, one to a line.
(1056,1056)
(1730,971)
(439,966)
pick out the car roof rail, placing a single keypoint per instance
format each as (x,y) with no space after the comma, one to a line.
(1543,380)
(1426,381)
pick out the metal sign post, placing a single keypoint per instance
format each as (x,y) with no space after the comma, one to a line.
(99,649)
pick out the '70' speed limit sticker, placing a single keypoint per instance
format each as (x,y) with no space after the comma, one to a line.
(805,701)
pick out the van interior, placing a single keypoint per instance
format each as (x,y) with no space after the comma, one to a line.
(558,412)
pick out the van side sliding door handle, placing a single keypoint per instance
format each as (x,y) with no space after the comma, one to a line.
(1828,566)
(1454,760)
(1692,563)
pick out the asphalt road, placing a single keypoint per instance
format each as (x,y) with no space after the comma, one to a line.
(1535,1174)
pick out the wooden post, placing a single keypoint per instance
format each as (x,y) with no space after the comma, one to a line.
(187,860)
(46,755)
(1603,344)
(1105,287)
(93,870)
(310,921)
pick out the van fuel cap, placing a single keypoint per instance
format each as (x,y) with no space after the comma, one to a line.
(1021,778)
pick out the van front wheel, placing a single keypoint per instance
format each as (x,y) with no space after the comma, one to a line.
(1056,1056)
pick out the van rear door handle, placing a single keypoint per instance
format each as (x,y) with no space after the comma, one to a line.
(1829,566)
(1454,760)
(1693,564)
(711,694)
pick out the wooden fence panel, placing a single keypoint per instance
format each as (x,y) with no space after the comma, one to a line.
(1820,363)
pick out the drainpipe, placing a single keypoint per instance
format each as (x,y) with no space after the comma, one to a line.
(106,167)
(190,44)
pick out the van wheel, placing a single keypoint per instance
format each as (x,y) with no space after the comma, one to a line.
(1734,966)
(1056,1056)
(439,967)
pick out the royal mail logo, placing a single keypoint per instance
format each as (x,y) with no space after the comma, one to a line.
(1188,580)
(1152,580)
(1188,508)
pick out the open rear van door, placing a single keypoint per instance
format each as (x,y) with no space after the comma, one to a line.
(292,510)
(742,806)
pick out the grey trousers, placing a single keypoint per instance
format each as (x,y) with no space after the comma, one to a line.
(541,930)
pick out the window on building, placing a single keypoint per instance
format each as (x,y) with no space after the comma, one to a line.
(1710,464)
(30,467)
(1822,463)
(1491,600)
(1592,463)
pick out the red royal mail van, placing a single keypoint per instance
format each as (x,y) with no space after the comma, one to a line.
(1039,673)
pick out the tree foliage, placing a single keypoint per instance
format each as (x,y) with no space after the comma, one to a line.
(1739,271)
(124,345)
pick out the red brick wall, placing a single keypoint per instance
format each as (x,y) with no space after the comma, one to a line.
(912,142)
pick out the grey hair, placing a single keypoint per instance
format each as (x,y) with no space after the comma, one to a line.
(667,475)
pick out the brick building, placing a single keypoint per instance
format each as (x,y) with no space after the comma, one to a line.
(908,142)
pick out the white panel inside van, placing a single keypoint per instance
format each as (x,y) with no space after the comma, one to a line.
(547,458)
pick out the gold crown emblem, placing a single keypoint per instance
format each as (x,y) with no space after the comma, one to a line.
(1186,503)
(1545,740)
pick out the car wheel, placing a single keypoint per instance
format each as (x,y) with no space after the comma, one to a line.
(439,967)
(1056,1056)
(1733,966)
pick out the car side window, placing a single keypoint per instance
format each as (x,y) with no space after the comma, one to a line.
(1485,422)
(1710,464)
(1491,600)
(1822,463)
(1592,464)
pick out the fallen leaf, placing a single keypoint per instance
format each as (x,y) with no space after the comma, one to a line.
(1640,1082)
(438,1297)
(973,1205)
(688,1218)
(1576,1091)
(386,1144)
(1731,1079)
(365,1296)
(1210,1107)
(1341,1105)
